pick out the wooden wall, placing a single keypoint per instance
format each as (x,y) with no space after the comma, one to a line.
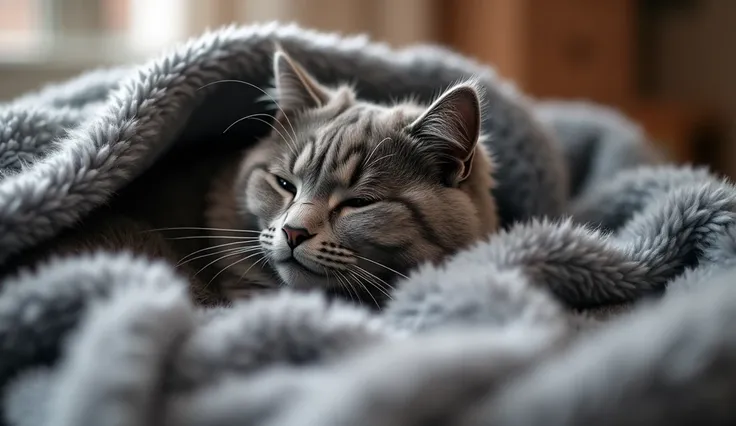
(573,49)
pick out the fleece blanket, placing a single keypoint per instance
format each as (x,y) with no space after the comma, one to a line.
(500,334)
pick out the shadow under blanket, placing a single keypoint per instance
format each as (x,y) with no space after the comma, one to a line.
(498,335)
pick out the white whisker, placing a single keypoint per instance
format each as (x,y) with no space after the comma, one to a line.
(253,117)
(374,150)
(256,263)
(373,281)
(213,248)
(353,289)
(214,237)
(379,159)
(367,272)
(196,228)
(243,251)
(234,263)
(352,273)
(344,284)
(381,265)
(262,114)
(262,91)
(192,259)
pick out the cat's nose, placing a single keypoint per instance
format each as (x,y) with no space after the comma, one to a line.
(295,236)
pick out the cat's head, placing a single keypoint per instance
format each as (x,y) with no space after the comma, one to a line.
(350,193)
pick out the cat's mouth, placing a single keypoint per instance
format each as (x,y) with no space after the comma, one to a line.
(294,263)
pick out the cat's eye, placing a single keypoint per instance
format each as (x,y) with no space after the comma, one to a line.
(357,203)
(288,186)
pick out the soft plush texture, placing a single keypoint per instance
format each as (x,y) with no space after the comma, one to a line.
(504,333)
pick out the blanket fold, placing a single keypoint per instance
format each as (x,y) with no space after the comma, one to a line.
(503,333)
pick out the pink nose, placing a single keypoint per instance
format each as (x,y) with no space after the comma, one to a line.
(295,236)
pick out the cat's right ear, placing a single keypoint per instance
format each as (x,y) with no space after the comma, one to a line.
(450,130)
(296,90)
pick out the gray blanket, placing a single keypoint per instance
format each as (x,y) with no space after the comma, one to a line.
(499,335)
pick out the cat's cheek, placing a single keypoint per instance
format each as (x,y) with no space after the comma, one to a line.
(350,230)
(387,225)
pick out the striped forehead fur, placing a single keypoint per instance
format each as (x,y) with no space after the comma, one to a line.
(362,143)
(351,140)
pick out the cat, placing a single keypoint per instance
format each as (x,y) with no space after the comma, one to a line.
(344,195)
(347,195)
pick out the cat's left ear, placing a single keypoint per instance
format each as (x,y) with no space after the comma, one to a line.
(296,90)
(451,129)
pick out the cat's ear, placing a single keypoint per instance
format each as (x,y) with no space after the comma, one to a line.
(296,90)
(450,129)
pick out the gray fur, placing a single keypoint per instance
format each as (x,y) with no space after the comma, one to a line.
(35,386)
(485,337)
(365,186)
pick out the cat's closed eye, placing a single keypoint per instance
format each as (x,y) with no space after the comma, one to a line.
(356,203)
(288,186)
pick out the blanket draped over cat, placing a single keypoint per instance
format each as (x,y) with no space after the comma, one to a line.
(502,333)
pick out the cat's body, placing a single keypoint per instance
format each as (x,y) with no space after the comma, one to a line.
(344,196)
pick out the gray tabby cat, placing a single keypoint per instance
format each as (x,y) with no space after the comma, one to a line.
(347,195)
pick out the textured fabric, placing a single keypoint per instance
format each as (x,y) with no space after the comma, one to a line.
(597,141)
(503,333)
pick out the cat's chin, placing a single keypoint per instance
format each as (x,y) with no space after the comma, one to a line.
(295,275)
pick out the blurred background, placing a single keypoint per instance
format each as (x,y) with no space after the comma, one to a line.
(668,64)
